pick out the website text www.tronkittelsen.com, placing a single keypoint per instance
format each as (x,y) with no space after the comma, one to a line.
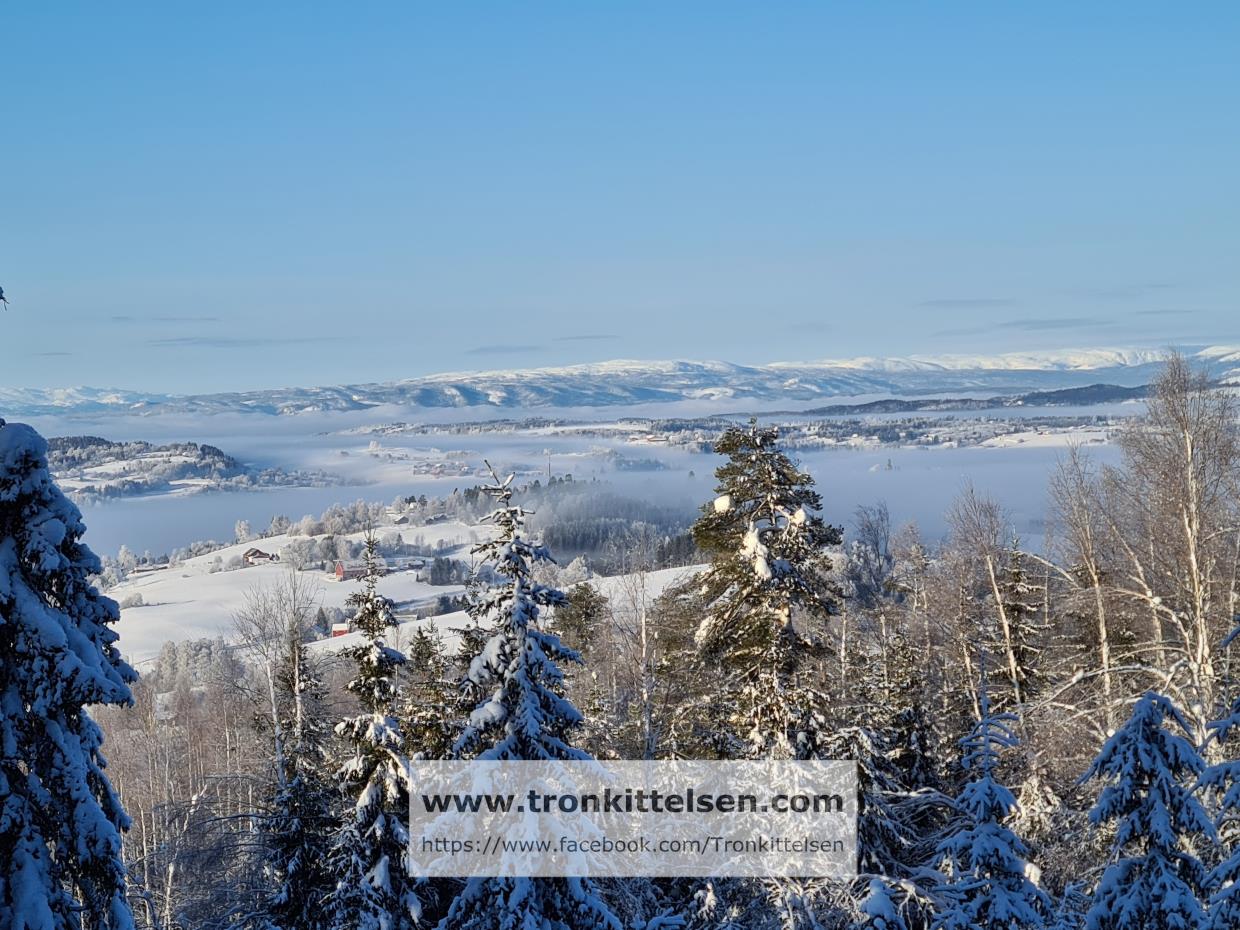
(613,819)
(630,801)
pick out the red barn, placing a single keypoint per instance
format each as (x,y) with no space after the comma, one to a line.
(352,569)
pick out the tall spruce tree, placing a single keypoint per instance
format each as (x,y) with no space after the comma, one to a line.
(914,741)
(985,875)
(431,702)
(769,561)
(373,890)
(1022,605)
(580,618)
(884,837)
(1223,778)
(60,822)
(520,715)
(1155,880)
(298,829)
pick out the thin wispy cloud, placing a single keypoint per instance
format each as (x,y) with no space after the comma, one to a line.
(811,326)
(969,303)
(1053,323)
(51,354)
(1123,291)
(234,342)
(504,350)
(129,318)
(1030,325)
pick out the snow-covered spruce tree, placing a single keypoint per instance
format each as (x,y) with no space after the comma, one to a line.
(1155,880)
(431,702)
(521,715)
(1070,912)
(373,889)
(1223,778)
(299,826)
(879,909)
(914,742)
(984,863)
(884,838)
(580,618)
(1021,602)
(60,822)
(768,549)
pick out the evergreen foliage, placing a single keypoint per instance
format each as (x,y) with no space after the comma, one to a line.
(884,840)
(60,822)
(1223,778)
(1022,605)
(521,714)
(430,700)
(373,890)
(299,826)
(985,864)
(880,910)
(769,560)
(1155,880)
(579,617)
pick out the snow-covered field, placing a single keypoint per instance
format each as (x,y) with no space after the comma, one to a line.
(1051,439)
(189,601)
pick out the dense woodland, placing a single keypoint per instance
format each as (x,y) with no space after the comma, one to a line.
(1047,736)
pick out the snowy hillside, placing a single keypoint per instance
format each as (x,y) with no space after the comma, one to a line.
(194,599)
(89,468)
(641,382)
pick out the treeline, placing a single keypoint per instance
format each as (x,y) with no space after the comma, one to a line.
(66,452)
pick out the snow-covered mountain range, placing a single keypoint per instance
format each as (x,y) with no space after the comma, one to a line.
(645,382)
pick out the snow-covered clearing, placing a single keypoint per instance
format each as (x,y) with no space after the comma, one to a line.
(189,601)
(1050,438)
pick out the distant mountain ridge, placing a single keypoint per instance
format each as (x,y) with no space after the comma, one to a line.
(1063,397)
(618,383)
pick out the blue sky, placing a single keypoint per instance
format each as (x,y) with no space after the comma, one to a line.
(229,197)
